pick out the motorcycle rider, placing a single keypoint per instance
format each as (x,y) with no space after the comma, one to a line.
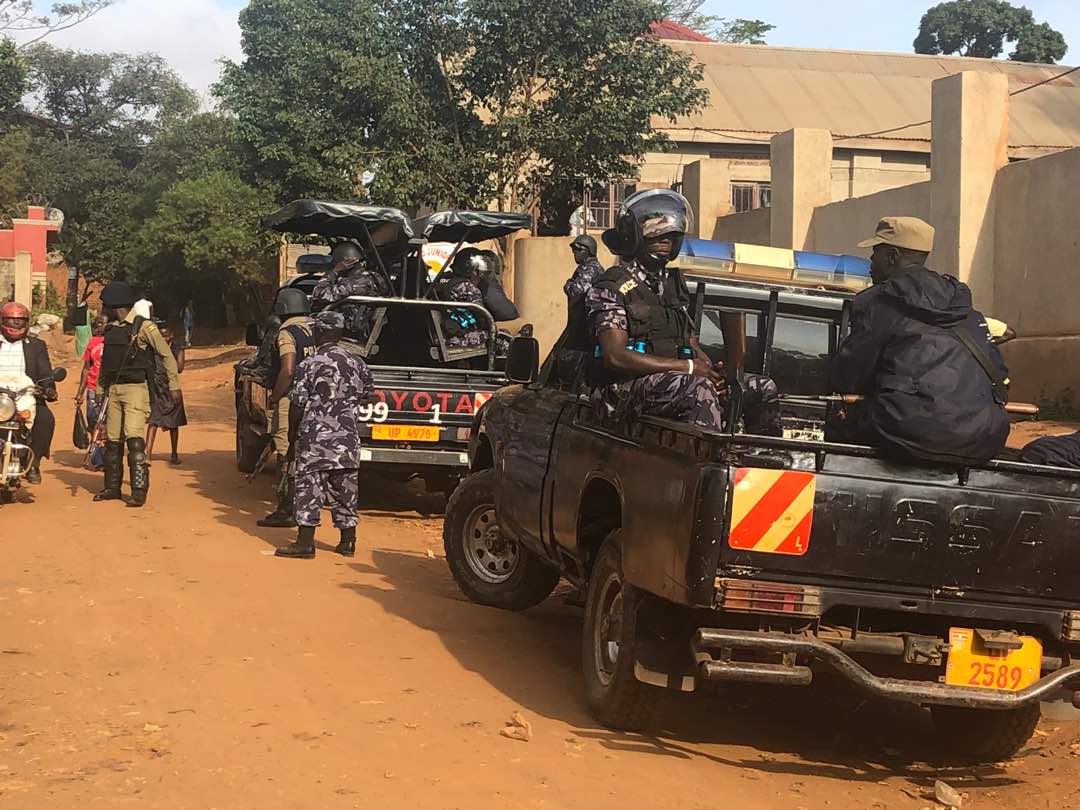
(22,353)
(127,367)
(293,345)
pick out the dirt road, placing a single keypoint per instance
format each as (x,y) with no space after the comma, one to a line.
(163,659)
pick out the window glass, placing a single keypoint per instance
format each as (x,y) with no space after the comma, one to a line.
(800,358)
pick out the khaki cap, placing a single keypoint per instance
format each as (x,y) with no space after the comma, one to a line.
(910,233)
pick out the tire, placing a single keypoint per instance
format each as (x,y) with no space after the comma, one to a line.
(614,694)
(490,569)
(973,736)
(248,448)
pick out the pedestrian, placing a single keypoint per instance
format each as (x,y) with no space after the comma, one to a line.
(166,413)
(187,317)
(329,389)
(132,347)
(292,345)
(22,354)
(933,381)
(88,388)
(144,307)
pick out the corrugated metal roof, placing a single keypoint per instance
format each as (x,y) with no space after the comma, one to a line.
(757,91)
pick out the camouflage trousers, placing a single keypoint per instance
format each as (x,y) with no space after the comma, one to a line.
(503,339)
(694,400)
(337,489)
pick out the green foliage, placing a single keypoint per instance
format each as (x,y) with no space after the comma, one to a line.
(736,32)
(743,32)
(12,75)
(20,17)
(48,303)
(207,228)
(982,27)
(452,102)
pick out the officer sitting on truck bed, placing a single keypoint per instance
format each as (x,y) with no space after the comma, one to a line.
(647,359)
(933,381)
(350,274)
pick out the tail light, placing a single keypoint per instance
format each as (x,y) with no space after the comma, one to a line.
(1070,625)
(774,598)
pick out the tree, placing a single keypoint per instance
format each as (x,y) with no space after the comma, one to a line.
(459,102)
(734,31)
(12,75)
(982,27)
(19,19)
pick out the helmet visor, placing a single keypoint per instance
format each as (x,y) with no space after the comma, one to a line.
(660,212)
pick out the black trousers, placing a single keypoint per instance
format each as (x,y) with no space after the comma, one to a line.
(41,435)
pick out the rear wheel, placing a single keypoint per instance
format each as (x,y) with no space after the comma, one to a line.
(977,736)
(614,694)
(489,568)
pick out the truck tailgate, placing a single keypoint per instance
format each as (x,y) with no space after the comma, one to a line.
(993,533)
(431,397)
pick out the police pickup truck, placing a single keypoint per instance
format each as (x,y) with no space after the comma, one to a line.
(733,558)
(427,391)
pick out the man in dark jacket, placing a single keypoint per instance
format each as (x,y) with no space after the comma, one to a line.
(921,356)
(22,353)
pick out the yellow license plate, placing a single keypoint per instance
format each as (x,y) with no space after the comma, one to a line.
(405,433)
(972,664)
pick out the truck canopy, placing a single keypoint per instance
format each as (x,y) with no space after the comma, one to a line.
(372,225)
(469,226)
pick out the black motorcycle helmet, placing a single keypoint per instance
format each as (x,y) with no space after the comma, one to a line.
(346,250)
(469,263)
(290,303)
(656,212)
(586,243)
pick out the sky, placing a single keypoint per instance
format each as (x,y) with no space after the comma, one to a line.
(194,35)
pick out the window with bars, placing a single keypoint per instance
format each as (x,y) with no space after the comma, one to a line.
(750,196)
(603,201)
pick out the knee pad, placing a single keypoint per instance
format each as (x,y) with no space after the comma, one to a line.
(137,445)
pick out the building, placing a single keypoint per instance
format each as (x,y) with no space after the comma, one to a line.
(876,105)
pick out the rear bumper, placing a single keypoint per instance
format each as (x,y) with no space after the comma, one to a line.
(801,651)
(415,458)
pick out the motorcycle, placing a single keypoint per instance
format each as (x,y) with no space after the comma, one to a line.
(18,410)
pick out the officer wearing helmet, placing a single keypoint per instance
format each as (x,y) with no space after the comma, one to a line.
(577,342)
(646,357)
(462,284)
(294,343)
(22,353)
(133,346)
(349,275)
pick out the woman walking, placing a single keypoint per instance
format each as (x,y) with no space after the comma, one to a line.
(165,413)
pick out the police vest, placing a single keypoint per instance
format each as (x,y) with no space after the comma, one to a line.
(460,320)
(305,347)
(656,324)
(123,362)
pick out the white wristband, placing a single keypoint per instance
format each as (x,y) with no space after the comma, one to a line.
(690,369)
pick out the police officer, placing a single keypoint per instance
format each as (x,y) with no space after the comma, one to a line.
(463,328)
(132,346)
(292,346)
(647,358)
(577,343)
(329,389)
(349,275)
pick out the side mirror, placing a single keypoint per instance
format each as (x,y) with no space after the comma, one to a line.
(523,362)
(58,375)
(251,335)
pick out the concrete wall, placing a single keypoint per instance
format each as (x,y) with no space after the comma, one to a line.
(1036,250)
(840,226)
(543,264)
(751,227)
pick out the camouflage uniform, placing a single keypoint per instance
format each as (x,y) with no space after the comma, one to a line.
(360,280)
(466,292)
(584,275)
(330,386)
(576,350)
(671,394)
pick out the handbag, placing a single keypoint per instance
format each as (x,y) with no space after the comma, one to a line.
(80,434)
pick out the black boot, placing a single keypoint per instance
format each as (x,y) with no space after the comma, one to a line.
(140,471)
(33,475)
(282,517)
(113,464)
(303,548)
(347,546)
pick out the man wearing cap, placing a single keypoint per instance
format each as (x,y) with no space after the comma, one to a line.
(933,382)
(132,347)
(328,391)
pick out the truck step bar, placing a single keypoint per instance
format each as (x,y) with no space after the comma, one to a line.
(813,650)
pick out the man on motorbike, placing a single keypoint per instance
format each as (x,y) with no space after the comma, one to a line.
(22,353)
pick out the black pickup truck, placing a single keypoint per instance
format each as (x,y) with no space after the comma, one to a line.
(428,391)
(726,558)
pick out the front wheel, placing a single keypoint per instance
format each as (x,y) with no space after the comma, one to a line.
(489,568)
(980,736)
(608,646)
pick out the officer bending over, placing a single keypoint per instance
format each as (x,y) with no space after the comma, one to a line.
(132,346)
(647,359)
(329,389)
